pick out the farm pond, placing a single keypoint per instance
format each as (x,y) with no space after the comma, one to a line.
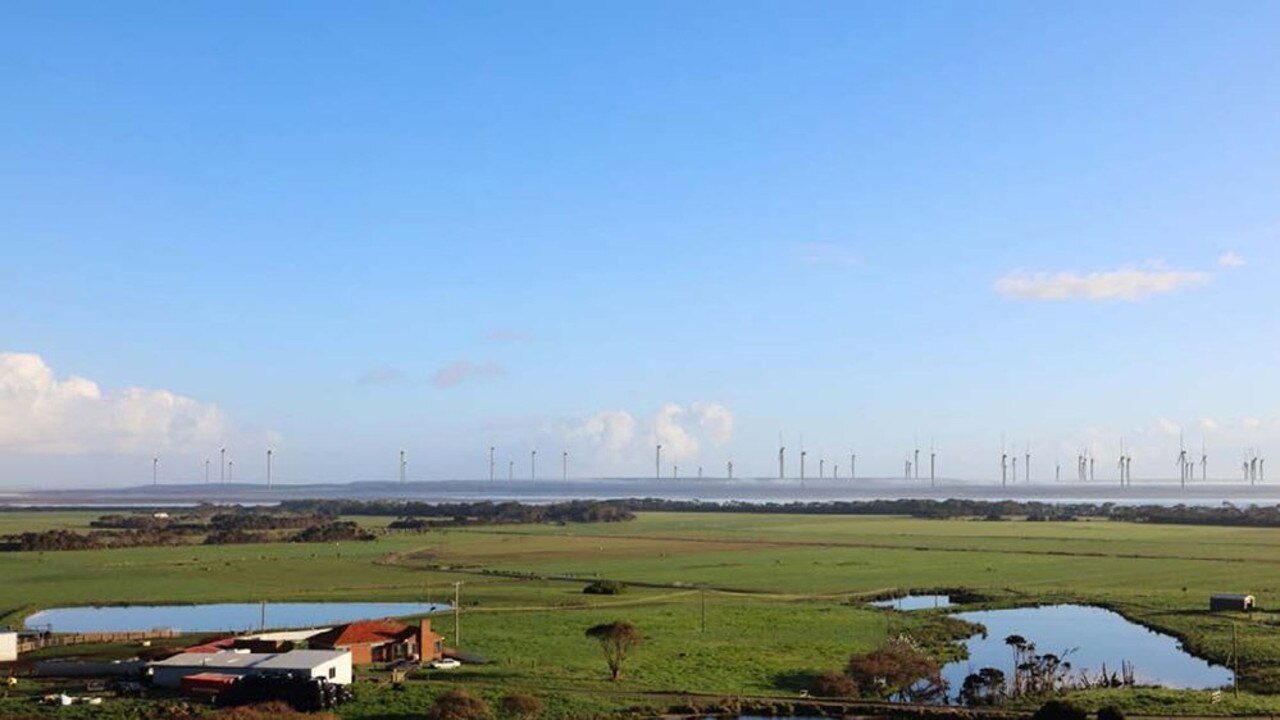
(1091,639)
(211,617)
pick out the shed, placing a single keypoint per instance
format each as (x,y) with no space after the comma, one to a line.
(332,665)
(8,646)
(1231,602)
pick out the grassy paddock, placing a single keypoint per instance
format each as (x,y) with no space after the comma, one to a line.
(781,605)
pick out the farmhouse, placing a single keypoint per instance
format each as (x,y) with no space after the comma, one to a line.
(1231,602)
(371,641)
(332,665)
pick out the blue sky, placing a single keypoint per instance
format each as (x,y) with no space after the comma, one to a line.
(341,230)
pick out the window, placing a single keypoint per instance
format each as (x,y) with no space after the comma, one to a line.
(333,673)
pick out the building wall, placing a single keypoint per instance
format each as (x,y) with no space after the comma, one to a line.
(341,668)
(8,646)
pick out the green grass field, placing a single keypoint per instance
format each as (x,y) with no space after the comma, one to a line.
(781,600)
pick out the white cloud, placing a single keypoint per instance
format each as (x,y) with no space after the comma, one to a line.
(1168,427)
(1124,284)
(1251,423)
(41,414)
(1208,424)
(611,430)
(616,441)
(1230,259)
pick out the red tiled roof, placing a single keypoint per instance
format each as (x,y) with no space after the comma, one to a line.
(212,646)
(365,632)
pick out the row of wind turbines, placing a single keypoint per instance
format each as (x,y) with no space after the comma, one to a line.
(1252,467)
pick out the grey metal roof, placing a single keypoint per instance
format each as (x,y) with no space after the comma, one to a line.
(227,660)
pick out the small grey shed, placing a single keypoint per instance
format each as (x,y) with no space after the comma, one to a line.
(1231,602)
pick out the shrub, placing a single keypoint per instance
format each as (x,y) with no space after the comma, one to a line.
(1110,712)
(459,705)
(520,706)
(604,587)
(1059,710)
(834,684)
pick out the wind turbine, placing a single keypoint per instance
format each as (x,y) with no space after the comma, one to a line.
(933,463)
(533,464)
(404,466)
(803,454)
(222,466)
(782,460)
(155,470)
(822,466)
(728,468)
(1204,462)
(511,470)
(1014,466)
(206,471)
(490,464)
(915,461)
(231,466)
(564,465)
(1182,460)
(853,466)
(1026,468)
(269,451)
(1004,463)
(657,462)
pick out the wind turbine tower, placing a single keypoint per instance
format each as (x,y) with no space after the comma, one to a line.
(269,451)
(155,470)
(657,462)
(1204,462)
(915,459)
(933,464)
(490,464)
(728,468)
(404,465)
(511,470)
(564,465)
(206,471)
(222,465)
(803,454)
(853,466)
(782,462)
(533,464)
(1026,468)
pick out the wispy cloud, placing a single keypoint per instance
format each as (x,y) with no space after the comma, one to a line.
(381,376)
(827,254)
(1125,284)
(1230,259)
(461,371)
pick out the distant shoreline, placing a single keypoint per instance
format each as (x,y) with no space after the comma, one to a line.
(710,490)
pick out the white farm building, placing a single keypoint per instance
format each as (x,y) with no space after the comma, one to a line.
(332,665)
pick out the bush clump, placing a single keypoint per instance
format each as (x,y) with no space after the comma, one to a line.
(605,587)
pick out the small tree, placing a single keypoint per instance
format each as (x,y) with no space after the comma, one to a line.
(616,639)
(898,671)
(985,687)
(834,684)
(521,706)
(1110,712)
(459,705)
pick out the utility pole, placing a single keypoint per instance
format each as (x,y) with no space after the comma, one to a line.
(457,608)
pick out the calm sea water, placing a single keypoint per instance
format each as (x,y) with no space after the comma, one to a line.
(213,617)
